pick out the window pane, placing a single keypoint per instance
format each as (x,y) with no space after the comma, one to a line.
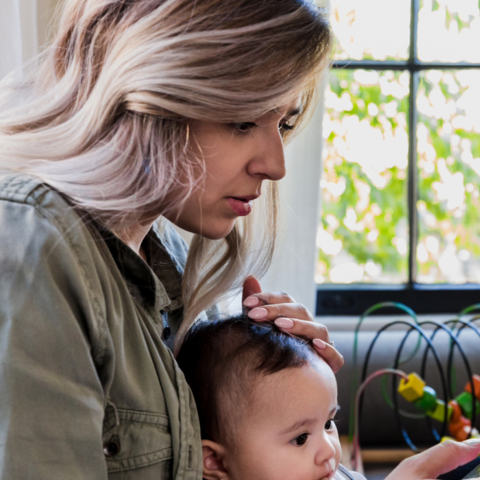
(363,231)
(371,29)
(449,31)
(448,136)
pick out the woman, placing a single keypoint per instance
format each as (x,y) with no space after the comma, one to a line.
(140,110)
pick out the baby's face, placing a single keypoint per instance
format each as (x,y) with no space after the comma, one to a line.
(289,433)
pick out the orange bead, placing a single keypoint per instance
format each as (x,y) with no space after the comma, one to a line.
(456,411)
(476,385)
(460,429)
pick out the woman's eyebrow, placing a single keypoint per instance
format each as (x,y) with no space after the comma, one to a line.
(294,112)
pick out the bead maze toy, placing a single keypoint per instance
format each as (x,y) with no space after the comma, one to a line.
(458,412)
(455,411)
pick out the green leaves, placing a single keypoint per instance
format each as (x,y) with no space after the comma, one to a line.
(365,174)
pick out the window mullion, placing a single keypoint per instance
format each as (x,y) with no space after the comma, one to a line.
(415,7)
(412,146)
(412,178)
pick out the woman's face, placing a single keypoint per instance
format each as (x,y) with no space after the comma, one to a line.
(238,158)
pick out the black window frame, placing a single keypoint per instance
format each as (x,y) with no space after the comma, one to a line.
(355,298)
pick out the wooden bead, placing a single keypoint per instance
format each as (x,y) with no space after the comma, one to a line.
(411,389)
(460,429)
(456,411)
(428,401)
(440,411)
(465,401)
(476,386)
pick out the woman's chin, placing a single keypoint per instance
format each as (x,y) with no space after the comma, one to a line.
(210,230)
(216,233)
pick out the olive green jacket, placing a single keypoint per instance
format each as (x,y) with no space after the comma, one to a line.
(88,388)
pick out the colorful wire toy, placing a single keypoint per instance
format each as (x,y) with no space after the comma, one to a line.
(456,413)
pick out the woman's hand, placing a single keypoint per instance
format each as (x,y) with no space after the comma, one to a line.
(439,459)
(290,317)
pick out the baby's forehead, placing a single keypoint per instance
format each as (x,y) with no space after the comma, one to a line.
(313,378)
(284,397)
(320,365)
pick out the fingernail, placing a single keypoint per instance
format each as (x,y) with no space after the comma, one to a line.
(284,323)
(258,313)
(320,344)
(251,302)
(473,441)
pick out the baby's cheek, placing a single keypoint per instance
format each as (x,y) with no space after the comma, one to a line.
(338,450)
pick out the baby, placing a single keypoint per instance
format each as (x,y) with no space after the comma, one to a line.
(266,402)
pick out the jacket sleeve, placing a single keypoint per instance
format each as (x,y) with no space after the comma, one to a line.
(51,396)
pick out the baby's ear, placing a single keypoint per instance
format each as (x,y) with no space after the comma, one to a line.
(213,461)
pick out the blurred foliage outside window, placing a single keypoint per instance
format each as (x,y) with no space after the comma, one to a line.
(363,234)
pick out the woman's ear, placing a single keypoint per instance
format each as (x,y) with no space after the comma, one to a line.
(213,461)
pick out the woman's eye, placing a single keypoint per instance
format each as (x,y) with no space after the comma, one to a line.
(329,425)
(300,440)
(285,127)
(243,127)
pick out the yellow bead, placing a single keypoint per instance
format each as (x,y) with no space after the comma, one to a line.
(445,439)
(411,389)
(440,411)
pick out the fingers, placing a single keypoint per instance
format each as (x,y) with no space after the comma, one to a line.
(251,286)
(303,328)
(437,460)
(292,318)
(260,299)
(329,354)
(272,312)
(316,332)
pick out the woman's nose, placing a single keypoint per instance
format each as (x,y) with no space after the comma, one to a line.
(270,158)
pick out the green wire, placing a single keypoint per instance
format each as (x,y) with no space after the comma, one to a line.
(354,382)
(403,413)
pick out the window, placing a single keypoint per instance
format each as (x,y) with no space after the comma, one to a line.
(400,214)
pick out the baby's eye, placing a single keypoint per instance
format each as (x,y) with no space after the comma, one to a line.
(300,440)
(329,425)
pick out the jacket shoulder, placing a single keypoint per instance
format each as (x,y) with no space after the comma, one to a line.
(21,188)
(18,191)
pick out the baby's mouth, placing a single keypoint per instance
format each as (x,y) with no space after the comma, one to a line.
(333,467)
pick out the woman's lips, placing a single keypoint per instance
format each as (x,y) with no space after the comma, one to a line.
(240,206)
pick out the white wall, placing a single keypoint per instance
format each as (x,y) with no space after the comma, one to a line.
(25,26)
(293,269)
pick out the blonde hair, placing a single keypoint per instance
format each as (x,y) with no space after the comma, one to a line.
(105,118)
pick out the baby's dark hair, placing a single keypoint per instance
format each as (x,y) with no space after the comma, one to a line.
(222,358)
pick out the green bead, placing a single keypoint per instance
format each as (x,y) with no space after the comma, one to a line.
(465,402)
(428,401)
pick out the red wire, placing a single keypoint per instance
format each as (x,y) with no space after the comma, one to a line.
(361,388)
